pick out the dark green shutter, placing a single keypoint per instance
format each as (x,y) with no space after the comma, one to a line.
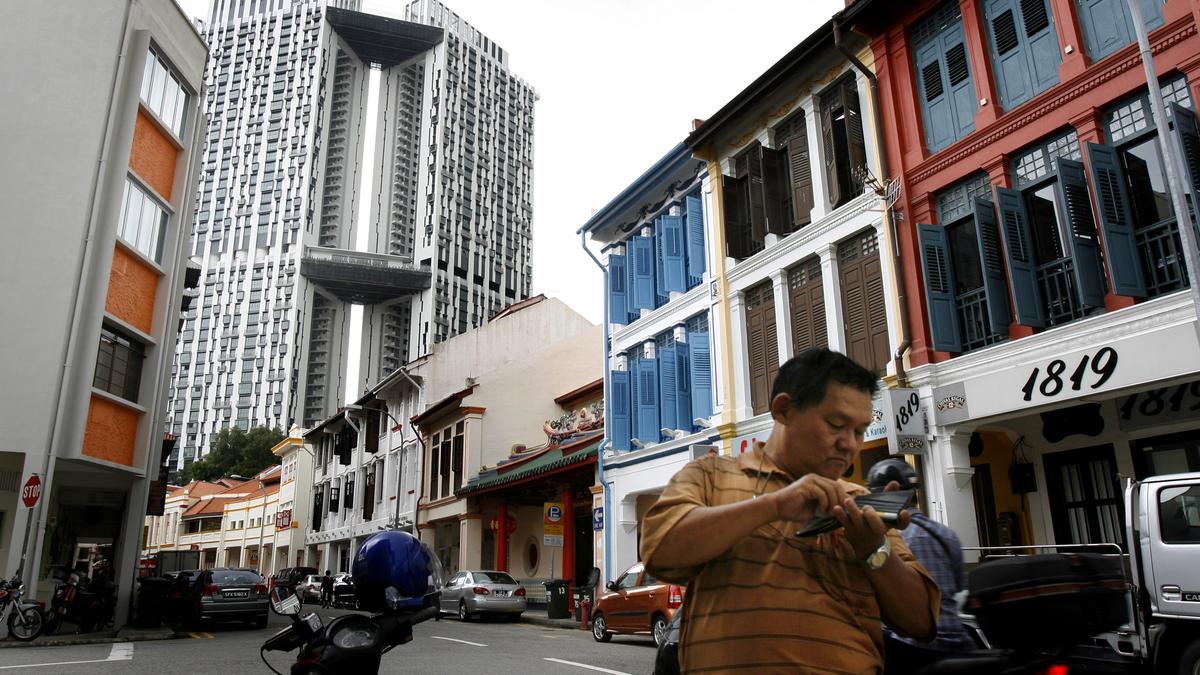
(1082,238)
(1187,131)
(832,189)
(753,171)
(775,186)
(938,275)
(991,260)
(1022,265)
(856,146)
(737,228)
(1116,221)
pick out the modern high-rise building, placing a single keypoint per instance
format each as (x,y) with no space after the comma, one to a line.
(329,127)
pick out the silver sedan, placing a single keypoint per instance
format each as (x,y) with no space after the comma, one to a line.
(470,593)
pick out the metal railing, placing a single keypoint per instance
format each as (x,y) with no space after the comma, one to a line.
(1056,285)
(1161,251)
(973,320)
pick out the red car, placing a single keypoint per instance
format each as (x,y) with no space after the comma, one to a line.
(636,604)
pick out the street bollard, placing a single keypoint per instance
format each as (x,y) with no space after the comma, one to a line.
(584,612)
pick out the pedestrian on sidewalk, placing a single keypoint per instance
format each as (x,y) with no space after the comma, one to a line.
(760,597)
(327,589)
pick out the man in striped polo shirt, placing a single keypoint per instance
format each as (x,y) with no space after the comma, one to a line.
(760,598)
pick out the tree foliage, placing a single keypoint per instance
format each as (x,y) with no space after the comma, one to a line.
(235,453)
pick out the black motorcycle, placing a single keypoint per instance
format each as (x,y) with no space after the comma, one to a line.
(352,643)
(90,605)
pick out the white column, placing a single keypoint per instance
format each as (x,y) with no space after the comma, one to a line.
(831,287)
(783,315)
(948,479)
(813,122)
(740,374)
(624,535)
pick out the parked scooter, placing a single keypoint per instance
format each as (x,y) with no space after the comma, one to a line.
(86,603)
(395,575)
(24,618)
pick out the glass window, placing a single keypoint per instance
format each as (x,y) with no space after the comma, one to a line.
(493,578)
(143,222)
(1148,194)
(118,365)
(163,93)
(965,256)
(1043,223)
(1179,514)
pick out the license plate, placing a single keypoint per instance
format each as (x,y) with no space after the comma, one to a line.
(501,592)
(236,594)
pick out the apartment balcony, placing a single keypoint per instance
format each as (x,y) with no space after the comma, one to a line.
(363,278)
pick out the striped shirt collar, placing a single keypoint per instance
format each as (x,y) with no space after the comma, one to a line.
(756,462)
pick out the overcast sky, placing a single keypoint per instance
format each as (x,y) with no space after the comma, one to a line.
(620,82)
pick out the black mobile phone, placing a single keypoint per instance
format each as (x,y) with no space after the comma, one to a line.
(887,504)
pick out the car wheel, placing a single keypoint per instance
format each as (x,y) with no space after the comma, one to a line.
(25,624)
(658,628)
(1189,659)
(600,629)
(463,615)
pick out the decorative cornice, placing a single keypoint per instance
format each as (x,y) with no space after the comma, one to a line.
(1111,68)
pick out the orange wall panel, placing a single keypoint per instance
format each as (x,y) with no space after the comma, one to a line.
(153,155)
(111,431)
(131,288)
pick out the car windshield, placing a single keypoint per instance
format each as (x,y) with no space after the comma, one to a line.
(235,577)
(493,578)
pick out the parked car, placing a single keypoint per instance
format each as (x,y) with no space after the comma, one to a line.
(229,595)
(343,591)
(636,604)
(309,588)
(480,592)
(179,591)
(290,577)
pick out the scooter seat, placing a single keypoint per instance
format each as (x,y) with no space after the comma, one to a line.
(978,662)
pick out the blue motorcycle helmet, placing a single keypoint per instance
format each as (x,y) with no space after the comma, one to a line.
(395,571)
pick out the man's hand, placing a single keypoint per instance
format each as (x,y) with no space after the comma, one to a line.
(865,530)
(808,498)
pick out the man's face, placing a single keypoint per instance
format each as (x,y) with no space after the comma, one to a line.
(825,438)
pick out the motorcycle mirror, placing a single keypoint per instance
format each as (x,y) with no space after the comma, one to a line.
(284,602)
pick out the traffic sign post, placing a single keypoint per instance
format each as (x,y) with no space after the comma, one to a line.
(30,493)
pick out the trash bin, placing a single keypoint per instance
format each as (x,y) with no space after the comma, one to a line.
(152,601)
(557,606)
(578,595)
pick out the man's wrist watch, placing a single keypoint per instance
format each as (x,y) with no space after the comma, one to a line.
(876,559)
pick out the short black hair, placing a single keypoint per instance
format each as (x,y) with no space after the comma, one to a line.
(805,377)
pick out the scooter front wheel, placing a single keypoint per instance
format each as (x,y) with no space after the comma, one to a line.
(25,624)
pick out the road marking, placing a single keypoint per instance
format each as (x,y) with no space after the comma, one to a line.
(121,651)
(200,636)
(584,665)
(474,644)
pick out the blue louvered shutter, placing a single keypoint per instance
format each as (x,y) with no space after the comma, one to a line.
(1024,48)
(1108,26)
(648,427)
(1082,237)
(1022,265)
(674,271)
(947,95)
(618,310)
(1116,222)
(700,375)
(642,250)
(1187,133)
(660,244)
(668,387)
(695,241)
(620,410)
(683,391)
(938,273)
(991,261)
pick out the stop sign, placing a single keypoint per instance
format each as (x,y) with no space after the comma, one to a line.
(31,491)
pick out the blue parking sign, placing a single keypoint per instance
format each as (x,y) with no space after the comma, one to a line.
(598,518)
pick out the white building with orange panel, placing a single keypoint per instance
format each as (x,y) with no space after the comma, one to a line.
(100,139)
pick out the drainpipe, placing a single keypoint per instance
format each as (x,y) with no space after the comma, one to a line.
(607,440)
(901,293)
(420,464)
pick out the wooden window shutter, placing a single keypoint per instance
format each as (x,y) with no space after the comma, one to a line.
(761,345)
(695,241)
(938,275)
(648,427)
(737,225)
(991,260)
(800,170)
(807,300)
(700,372)
(856,148)
(1082,234)
(620,410)
(668,387)
(776,191)
(756,192)
(1018,249)
(865,313)
(829,102)
(618,311)
(1116,221)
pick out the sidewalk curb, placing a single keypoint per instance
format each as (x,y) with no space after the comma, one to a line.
(97,640)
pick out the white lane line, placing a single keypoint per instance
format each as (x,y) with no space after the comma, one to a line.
(465,642)
(584,665)
(121,651)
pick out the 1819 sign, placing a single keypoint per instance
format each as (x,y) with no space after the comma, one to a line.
(1093,370)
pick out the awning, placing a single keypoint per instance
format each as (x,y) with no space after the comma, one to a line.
(551,460)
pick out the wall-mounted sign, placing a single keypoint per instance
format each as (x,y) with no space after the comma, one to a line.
(552,521)
(283,519)
(598,518)
(1155,407)
(905,419)
(552,540)
(1022,383)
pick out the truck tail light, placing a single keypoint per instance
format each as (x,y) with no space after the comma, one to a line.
(480,590)
(675,598)
(520,591)
(209,590)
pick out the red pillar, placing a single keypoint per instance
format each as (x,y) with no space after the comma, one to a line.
(568,556)
(502,538)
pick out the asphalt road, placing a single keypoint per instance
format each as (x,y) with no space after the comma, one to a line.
(445,646)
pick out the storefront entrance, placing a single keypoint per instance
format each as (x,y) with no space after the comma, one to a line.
(1085,496)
